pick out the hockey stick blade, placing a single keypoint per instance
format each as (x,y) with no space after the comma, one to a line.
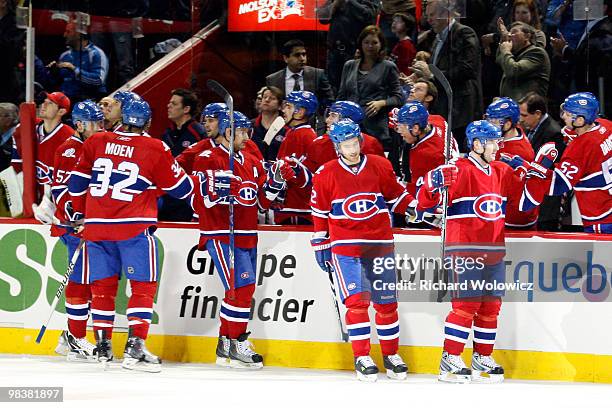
(60,289)
(273,130)
(217,88)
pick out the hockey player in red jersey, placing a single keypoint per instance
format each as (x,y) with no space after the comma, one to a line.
(298,108)
(50,134)
(585,166)
(504,113)
(233,348)
(475,232)
(350,201)
(323,150)
(210,121)
(114,185)
(427,142)
(87,118)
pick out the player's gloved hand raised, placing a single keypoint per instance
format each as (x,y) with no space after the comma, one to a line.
(274,182)
(321,245)
(44,211)
(517,162)
(218,184)
(547,155)
(287,172)
(440,177)
(393,118)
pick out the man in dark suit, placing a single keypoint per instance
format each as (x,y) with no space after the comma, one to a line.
(541,129)
(297,76)
(455,50)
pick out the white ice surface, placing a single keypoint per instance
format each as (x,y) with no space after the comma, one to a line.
(205,385)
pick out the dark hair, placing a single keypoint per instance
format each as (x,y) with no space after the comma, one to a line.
(535,102)
(408,20)
(372,30)
(432,89)
(290,45)
(189,99)
(525,28)
(277,92)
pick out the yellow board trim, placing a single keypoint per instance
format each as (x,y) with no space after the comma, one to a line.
(518,364)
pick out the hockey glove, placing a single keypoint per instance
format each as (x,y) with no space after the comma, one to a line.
(393,119)
(218,184)
(547,155)
(275,182)
(74,218)
(44,211)
(440,177)
(431,216)
(321,245)
(517,162)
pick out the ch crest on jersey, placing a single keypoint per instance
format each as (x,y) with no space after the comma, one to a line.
(360,206)
(489,207)
(247,195)
(44,174)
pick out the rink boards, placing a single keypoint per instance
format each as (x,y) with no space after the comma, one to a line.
(557,331)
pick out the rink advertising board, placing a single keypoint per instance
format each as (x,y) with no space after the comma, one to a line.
(273,15)
(542,335)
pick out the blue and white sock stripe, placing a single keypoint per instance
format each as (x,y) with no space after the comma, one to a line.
(234,314)
(484,335)
(152,257)
(103,318)
(359,331)
(136,315)
(456,333)
(388,331)
(77,312)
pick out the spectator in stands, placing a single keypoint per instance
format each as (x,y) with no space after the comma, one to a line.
(297,76)
(183,132)
(373,83)
(346,19)
(10,44)
(591,59)
(9,117)
(404,51)
(389,9)
(455,50)
(560,18)
(83,67)
(541,129)
(525,66)
(270,109)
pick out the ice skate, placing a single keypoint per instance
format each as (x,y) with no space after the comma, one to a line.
(453,369)
(493,372)
(366,369)
(137,357)
(104,348)
(395,366)
(79,349)
(62,347)
(241,354)
(223,347)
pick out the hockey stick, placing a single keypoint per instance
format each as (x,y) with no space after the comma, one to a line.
(447,148)
(217,88)
(273,129)
(60,290)
(343,333)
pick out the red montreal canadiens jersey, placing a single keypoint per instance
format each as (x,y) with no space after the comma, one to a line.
(45,149)
(214,217)
(476,211)
(427,154)
(323,150)
(354,206)
(585,167)
(115,183)
(66,157)
(296,143)
(515,218)
(189,155)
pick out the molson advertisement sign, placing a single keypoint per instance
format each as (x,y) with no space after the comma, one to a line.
(274,15)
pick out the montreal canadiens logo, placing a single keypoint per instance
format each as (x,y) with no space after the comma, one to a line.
(248,194)
(360,206)
(489,207)
(43,173)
